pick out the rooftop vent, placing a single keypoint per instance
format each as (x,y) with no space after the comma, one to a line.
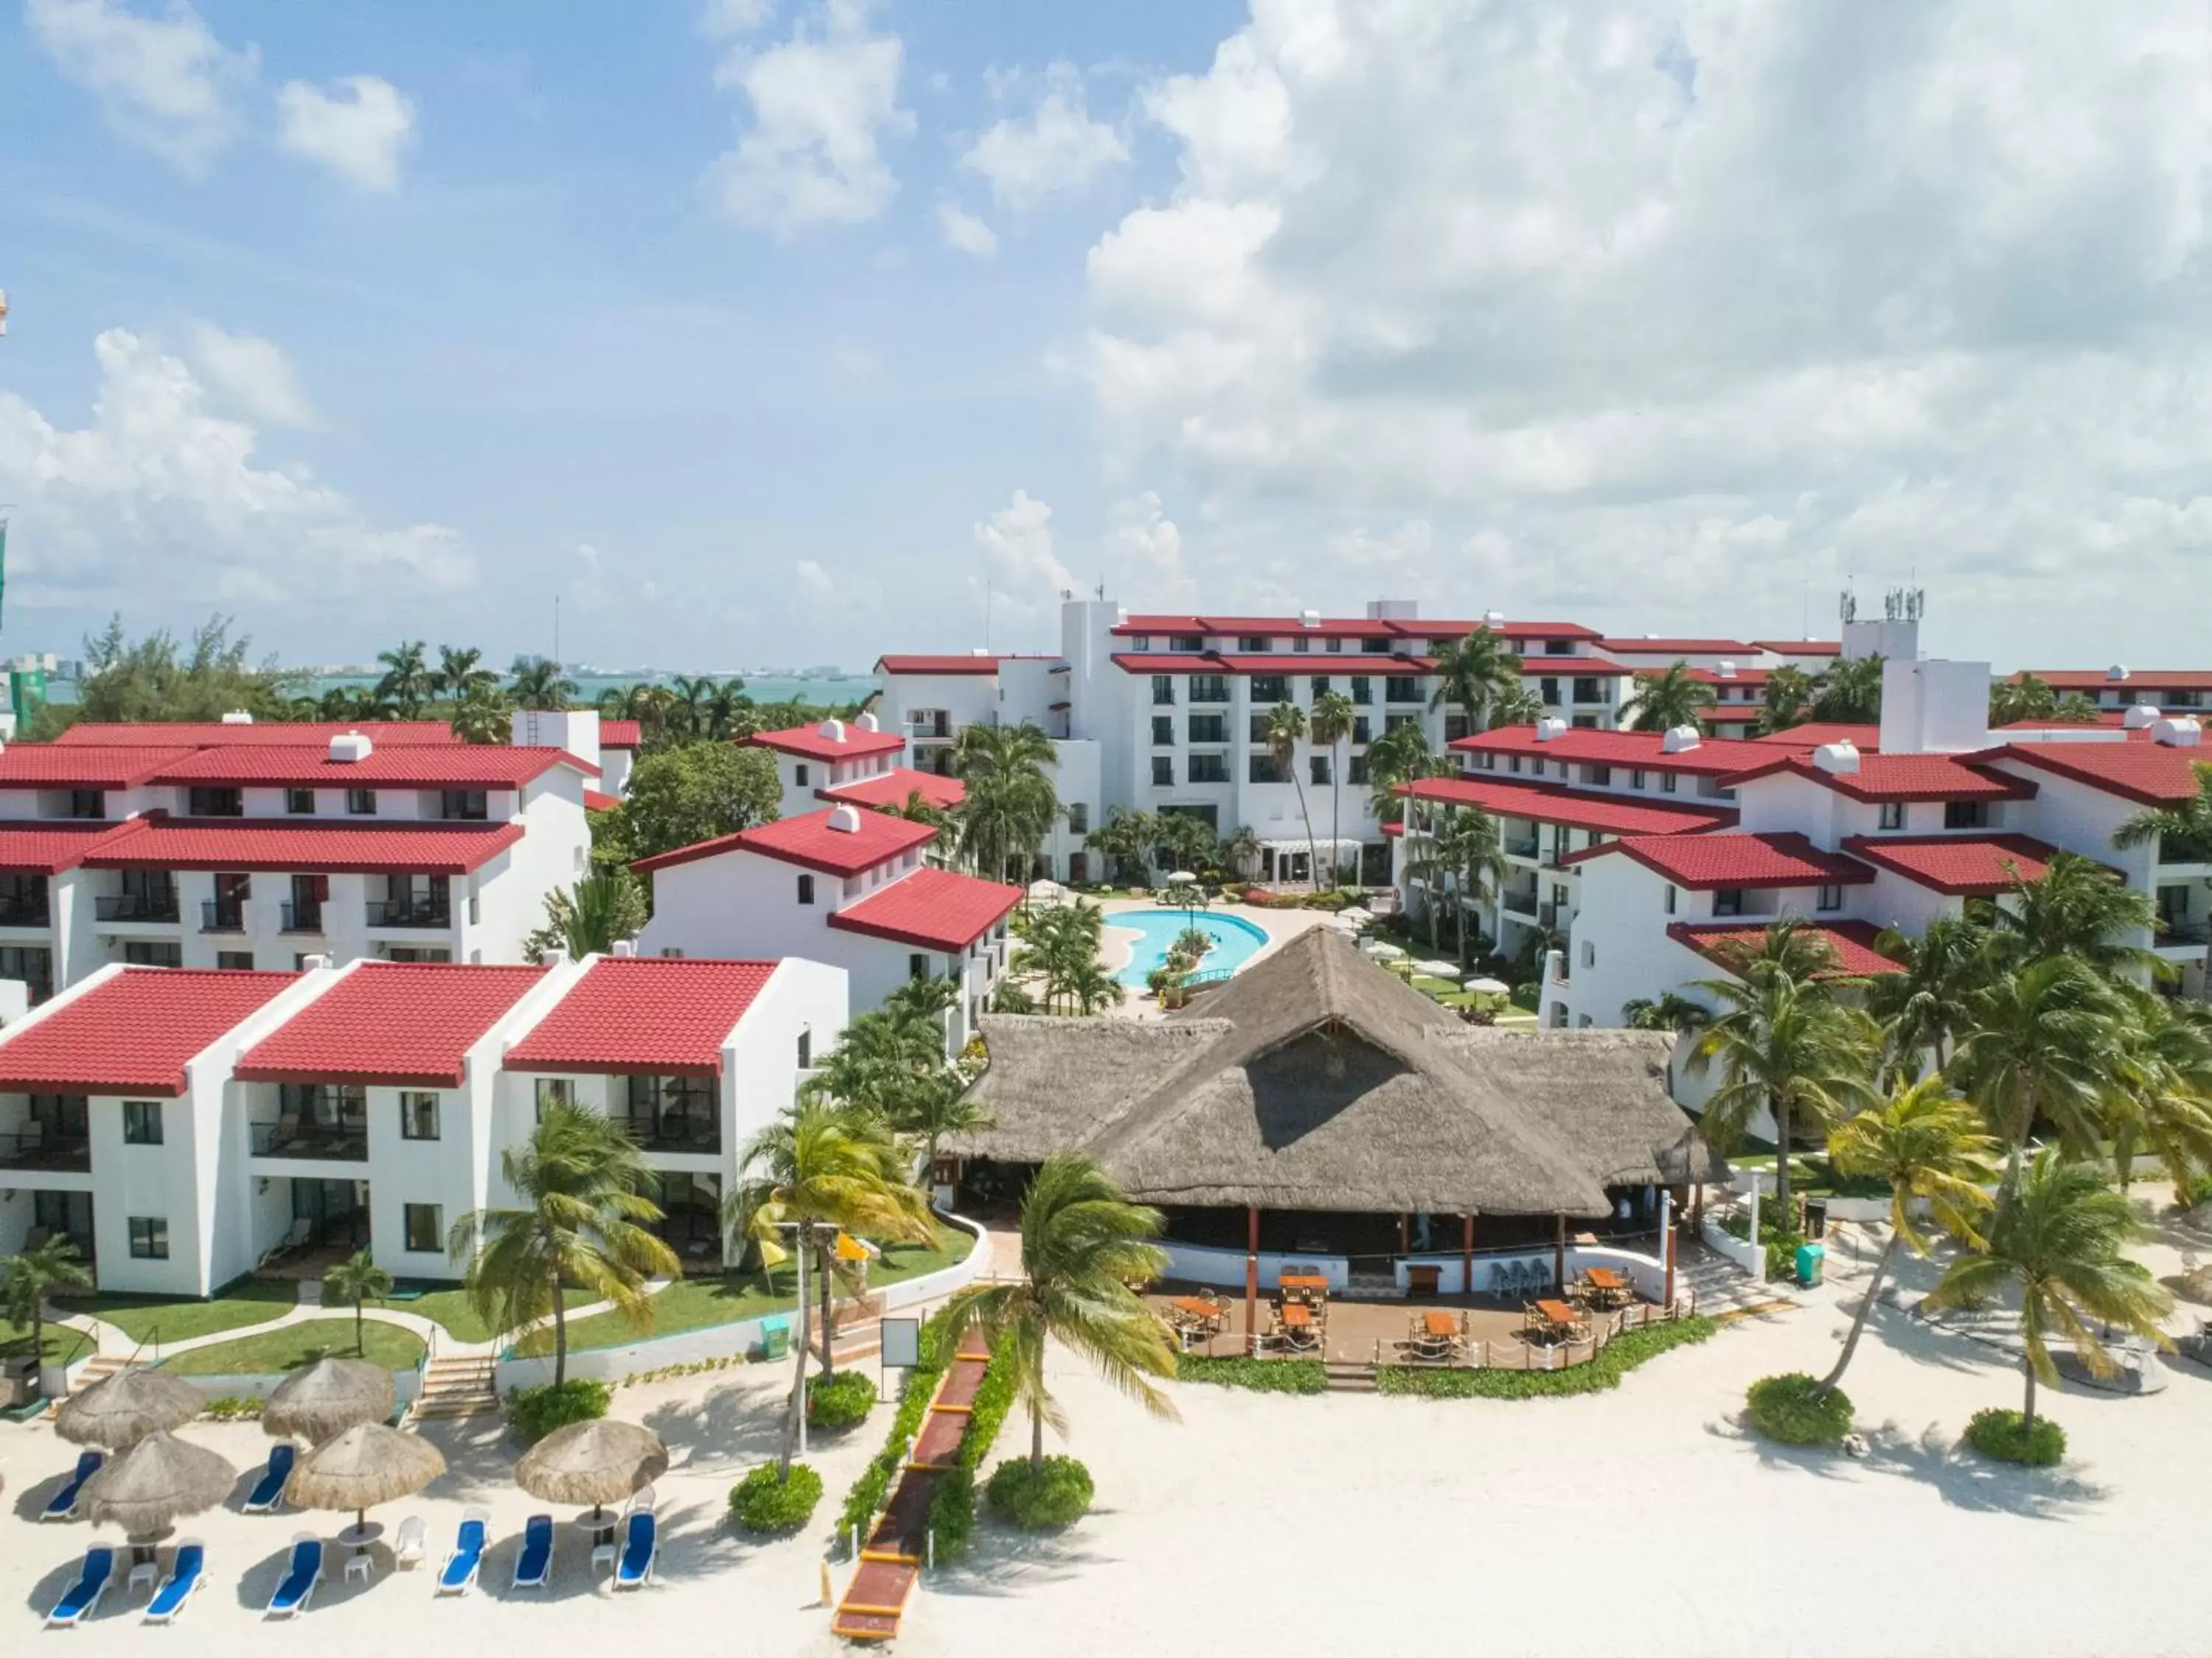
(313,963)
(2140,715)
(978,650)
(831,730)
(1837,758)
(553,956)
(845,819)
(625,947)
(2117,671)
(867,723)
(350,747)
(2177,732)
(1492,617)
(1309,618)
(1549,729)
(238,717)
(1680,739)
(1725,669)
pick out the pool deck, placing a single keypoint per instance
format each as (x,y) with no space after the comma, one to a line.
(1118,948)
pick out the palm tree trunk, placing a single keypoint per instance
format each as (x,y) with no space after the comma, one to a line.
(1036,1435)
(359,1350)
(2124,1156)
(798,1391)
(1780,1106)
(1313,858)
(829,1317)
(2027,1414)
(1335,816)
(560,1336)
(1866,1307)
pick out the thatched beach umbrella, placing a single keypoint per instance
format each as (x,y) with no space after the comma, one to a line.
(327,1397)
(597,1462)
(366,1464)
(125,1407)
(157,1482)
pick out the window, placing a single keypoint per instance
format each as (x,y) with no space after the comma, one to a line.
(1078,818)
(1208,688)
(1208,728)
(1300,642)
(1586,691)
(1392,721)
(1547,691)
(1319,685)
(1966,814)
(806,1050)
(1263,769)
(1362,726)
(1667,781)
(1209,768)
(215,803)
(1363,690)
(1601,776)
(86,803)
(1457,726)
(1252,643)
(554,1091)
(801,776)
(1186,642)
(917,966)
(464,805)
(1317,770)
(300,802)
(426,1229)
(1404,689)
(141,1122)
(476,909)
(1729,901)
(1893,814)
(418,1116)
(1270,688)
(1256,728)
(1163,731)
(1335,646)
(361,803)
(1356,773)
(1558,648)
(1636,778)
(149,1237)
(234,961)
(1589,952)
(1162,770)
(1375,647)
(807,889)
(1829,898)
(146,953)
(1670,898)
(1162,690)
(1513,762)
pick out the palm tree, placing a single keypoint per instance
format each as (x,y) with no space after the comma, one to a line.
(590,918)
(941,1108)
(1425,867)
(1126,839)
(1850,692)
(1522,706)
(1400,756)
(460,674)
(406,681)
(1469,847)
(1286,729)
(27,1278)
(2075,709)
(1475,672)
(693,697)
(2042,1042)
(1087,984)
(1329,724)
(355,1282)
(1789,699)
(2164,1097)
(2023,697)
(536,683)
(1927,1145)
(2058,1237)
(1242,850)
(1670,697)
(1083,1244)
(824,1169)
(582,1183)
(483,718)
(2078,908)
(1182,841)
(1922,1008)
(1010,805)
(2184,830)
(1669,1012)
(725,708)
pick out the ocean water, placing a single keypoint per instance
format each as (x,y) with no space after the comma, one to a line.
(826,692)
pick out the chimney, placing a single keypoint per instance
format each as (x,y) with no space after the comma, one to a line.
(1836,758)
(2140,715)
(1679,739)
(2177,732)
(867,723)
(831,730)
(238,717)
(2116,672)
(846,819)
(625,947)
(1549,729)
(350,747)
(1725,669)
(553,956)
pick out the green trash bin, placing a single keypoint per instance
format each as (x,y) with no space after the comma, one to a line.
(1810,1257)
(775,1342)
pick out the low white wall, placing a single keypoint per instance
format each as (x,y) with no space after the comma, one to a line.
(1225,1268)
(1751,1257)
(406,1385)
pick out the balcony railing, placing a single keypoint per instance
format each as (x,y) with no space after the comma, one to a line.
(691,1134)
(1521,848)
(136,906)
(24,912)
(303,917)
(409,913)
(1521,904)
(57,1153)
(940,727)
(1552,915)
(2177,848)
(219,917)
(2186,930)
(299,1138)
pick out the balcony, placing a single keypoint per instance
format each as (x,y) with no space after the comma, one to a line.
(1523,902)
(1521,848)
(47,1153)
(301,1137)
(2183,933)
(1553,916)
(222,916)
(929,725)
(136,906)
(2179,849)
(24,912)
(423,913)
(302,918)
(700,1136)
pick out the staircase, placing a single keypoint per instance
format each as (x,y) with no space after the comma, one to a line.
(1373,1287)
(1349,1378)
(460,1385)
(1719,1288)
(98,1367)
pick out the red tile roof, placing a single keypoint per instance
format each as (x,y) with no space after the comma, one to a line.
(1706,863)
(131,1034)
(947,663)
(390,1024)
(1811,734)
(620,734)
(420,765)
(648,1014)
(1236,663)
(1964,866)
(2148,773)
(1165,662)
(1578,808)
(892,789)
(1507,630)
(302,846)
(1633,647)
(202,734)
(808,742)
(1750,676)
(82,766)
(2104,717)
(597,799)
(1801,647)
(2138,678)
(1907,778)
(931,908)
(811,841)
(1581,746)
(1853,942)
(48,846)
(1370,627)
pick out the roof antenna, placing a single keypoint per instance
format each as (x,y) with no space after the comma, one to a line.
(986,613)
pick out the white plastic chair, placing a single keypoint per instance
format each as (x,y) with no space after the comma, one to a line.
(407,1544)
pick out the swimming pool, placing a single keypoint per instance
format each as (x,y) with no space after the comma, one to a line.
(1235,939)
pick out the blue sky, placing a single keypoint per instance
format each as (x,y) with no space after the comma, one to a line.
(769,333)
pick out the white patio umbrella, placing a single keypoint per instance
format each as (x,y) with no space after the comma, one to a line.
(1358,915)
(1046,891)
(1487,987)
(1437,969)
(1381,949)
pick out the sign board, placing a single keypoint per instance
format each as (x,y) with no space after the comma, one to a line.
(902,1343)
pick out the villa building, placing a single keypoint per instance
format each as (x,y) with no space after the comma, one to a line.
(815,763)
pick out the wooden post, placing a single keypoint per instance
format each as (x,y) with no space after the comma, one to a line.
(1467,1254)
(1667,1240)
(1252,1277)
(1559,1256)
(1402,1237)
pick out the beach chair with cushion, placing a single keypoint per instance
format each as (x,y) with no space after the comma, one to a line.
(63,1503)
(268,1493)
(302,1572)
(640,1548)
(187,1576)
(458,1575)
(534,1565)
(643,1502)
(407,1544)
(81,1598)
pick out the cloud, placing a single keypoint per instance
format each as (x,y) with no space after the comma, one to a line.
(723,17)
(1738,297)
(1026,576)
(964,232)
(164,81)
(159,494)
(1058,147)
(1144,550)
(814,580)
(251,376)
(821,102)
(357,130)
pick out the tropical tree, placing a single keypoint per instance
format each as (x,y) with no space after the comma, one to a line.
(1086,985)
(591,917)
(1243,849)
(1400,755)
(355,1282)
(406,684)
(2023,697)
(1083,1244)
(582,1223)
(156,679)
(1181,841)
(2079,908)
(1425,867)
(1010,805)
(1474,673)
(2163,1101)
(941,1108)
(2042,1043)
(2058,1240)
(27,1278)
(1922,1007)
(725,710)
(1125,840)
(483,718)
(1788,700)
(2076,709)
(2184,829)
(1522,706)
(1670,697)
(681,796)
(1927,1145)
(460,674)
(1849,694)
(1286,729)
(917,808)
(1667,1012)
(536,682)
(1468,847)
(1329,724)
(693,696)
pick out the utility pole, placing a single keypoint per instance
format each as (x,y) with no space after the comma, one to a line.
(557,630)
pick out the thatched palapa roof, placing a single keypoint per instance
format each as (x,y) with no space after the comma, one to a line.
(1316,1080)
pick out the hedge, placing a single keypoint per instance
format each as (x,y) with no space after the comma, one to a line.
(1614,1361)
(873,1488)
(952,1509)
(1259,1375)
(762,1502)
(1056,1492)
(534,1412)
(1796,1410)
(840,1400)
(2001,1434)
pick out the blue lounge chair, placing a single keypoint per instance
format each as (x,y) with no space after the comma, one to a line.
(187,1575)
(268,1493)
(641,1547)
(304,1571)
(83,1596)
(459,1575)
(64,1505)
(535,1564)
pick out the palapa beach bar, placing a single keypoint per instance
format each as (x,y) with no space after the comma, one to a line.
(1318,1113)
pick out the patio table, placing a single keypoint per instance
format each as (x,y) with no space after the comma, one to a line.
(1558,1312)
(1192,1307)
(1303,1280)
(1297,1315)
(1606,1278)
(1439,1325)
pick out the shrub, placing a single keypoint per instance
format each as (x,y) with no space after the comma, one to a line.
(1796,1410)
(952,1512)
(1055,1493)
(840,1400)
(233,1409)
(1526,996)
(1259,1375)
(1614,1361)
(761,1502)
(534,1412)
(986,1412)
(2005,1437)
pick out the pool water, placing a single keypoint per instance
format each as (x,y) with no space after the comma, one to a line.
(1235,940)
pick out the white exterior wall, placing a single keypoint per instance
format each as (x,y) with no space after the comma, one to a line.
(964,699)
(614,765)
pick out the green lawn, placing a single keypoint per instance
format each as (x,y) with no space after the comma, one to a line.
(255,1301)
(62,1344)
(451,1308)
(699,1303)
(296,1345)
